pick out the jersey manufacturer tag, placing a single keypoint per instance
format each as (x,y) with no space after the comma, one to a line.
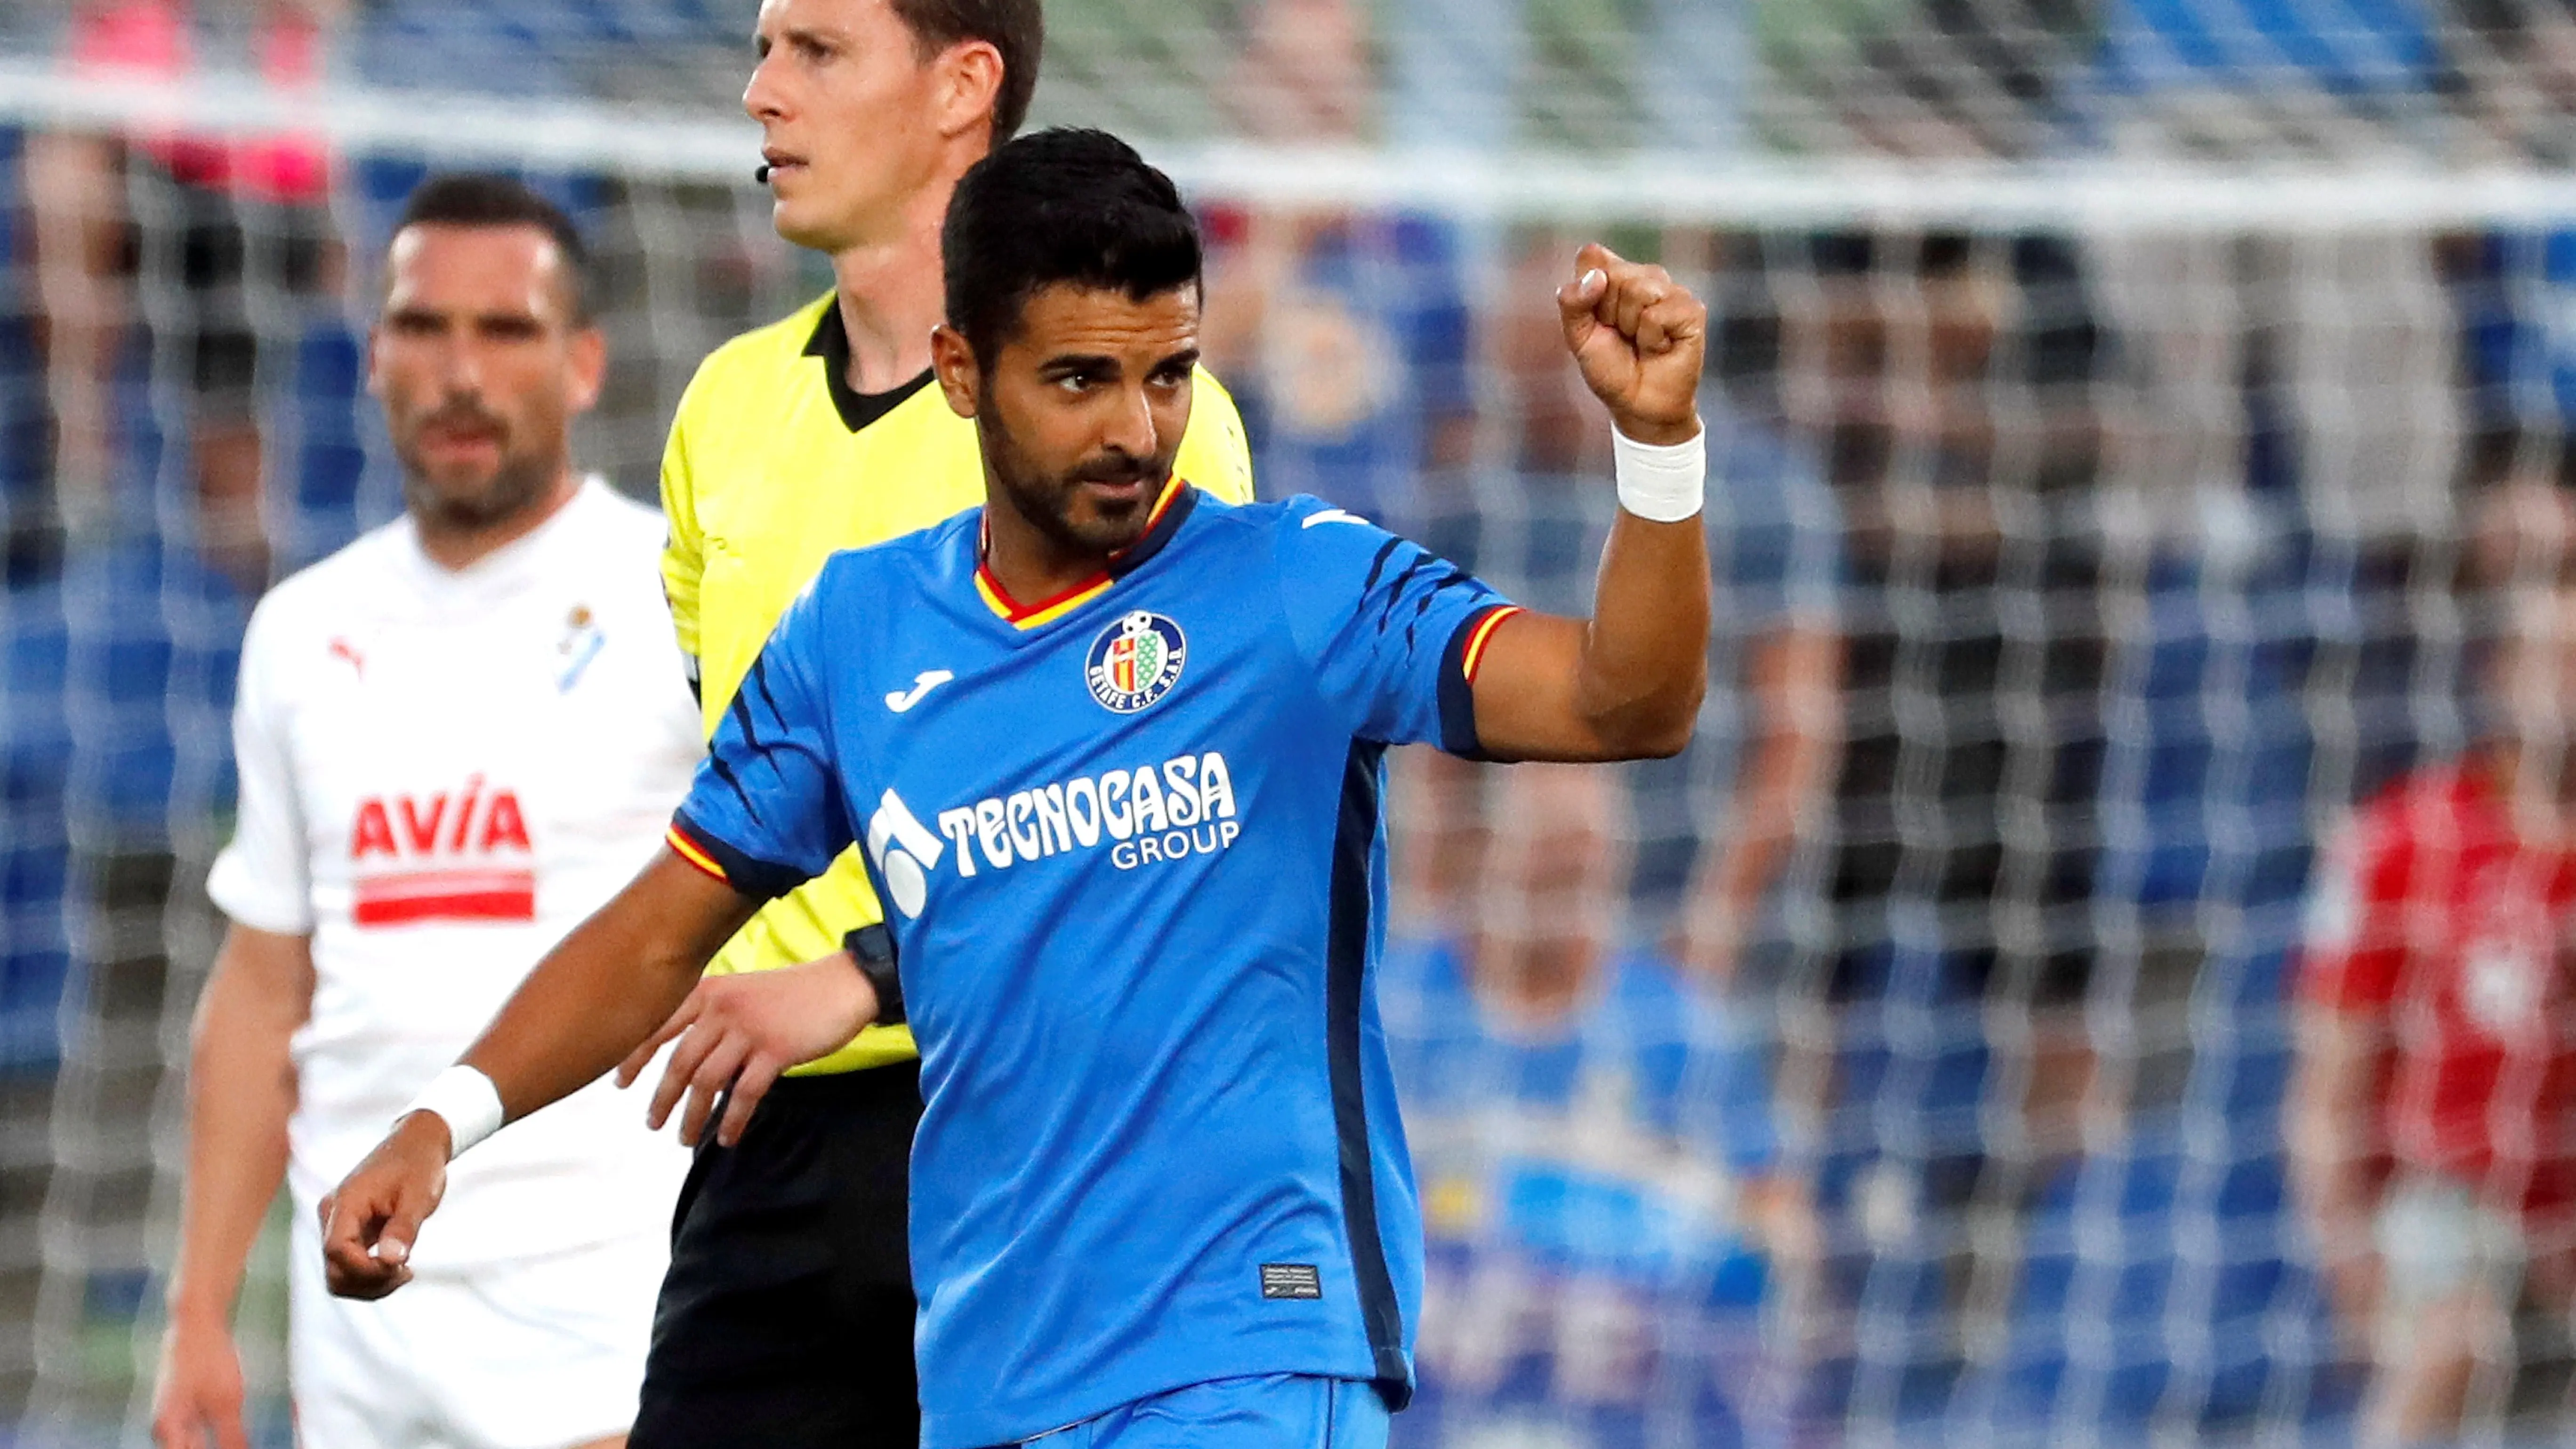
(1291,1280)
(927,680)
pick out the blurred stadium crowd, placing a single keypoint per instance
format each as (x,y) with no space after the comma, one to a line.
(1914,1051)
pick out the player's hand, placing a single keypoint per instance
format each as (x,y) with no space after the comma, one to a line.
(198,1399)
(741,1032)
(1639,338)
(371,1220)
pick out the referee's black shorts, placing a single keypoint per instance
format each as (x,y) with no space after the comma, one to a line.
(786,1320)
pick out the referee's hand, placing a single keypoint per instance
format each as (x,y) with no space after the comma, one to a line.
(741,1032)
(371,1220)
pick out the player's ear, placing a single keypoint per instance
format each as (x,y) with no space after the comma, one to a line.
(586,368)
(375,361)
(970,83)
(961,379)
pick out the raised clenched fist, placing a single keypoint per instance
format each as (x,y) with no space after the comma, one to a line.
(1639,338)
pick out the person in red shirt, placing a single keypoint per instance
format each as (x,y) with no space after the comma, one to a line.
(2432,1125)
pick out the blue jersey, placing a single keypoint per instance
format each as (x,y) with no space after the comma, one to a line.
(1131,846)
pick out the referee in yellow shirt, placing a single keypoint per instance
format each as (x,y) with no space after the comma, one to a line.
(787,1317)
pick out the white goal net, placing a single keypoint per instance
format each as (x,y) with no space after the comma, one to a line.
(2106,399)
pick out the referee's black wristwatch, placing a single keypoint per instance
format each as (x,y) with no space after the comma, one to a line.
(873,948)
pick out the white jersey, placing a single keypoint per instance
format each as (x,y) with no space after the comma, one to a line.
(441,774)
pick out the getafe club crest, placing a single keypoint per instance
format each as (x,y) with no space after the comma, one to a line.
(1134,662)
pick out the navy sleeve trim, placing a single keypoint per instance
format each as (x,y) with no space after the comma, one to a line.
(1458,663)
(759,879)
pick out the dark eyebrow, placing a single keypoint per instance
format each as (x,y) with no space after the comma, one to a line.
(1067,364)
(418,315)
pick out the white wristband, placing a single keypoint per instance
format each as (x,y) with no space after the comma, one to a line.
(1661,484)
(466,1101)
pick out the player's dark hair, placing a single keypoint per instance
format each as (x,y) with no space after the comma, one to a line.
(484,199)
(1015,28)
(1060,206)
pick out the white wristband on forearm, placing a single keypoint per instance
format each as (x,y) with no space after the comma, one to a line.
(1661,484)
(466,1101)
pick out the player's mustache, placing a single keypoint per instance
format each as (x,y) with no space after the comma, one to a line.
(1113,468)
(463,416)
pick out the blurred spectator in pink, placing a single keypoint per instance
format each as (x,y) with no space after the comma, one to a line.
(207,240)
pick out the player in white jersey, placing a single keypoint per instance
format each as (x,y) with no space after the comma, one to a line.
(456,738)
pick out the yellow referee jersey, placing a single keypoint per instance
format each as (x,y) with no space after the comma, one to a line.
(773,465)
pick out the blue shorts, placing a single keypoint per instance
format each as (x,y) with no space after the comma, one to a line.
(1273,1411)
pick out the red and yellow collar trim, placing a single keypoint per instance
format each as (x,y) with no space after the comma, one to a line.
(1159,526)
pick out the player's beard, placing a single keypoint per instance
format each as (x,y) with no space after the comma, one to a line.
(517,483)
(1075,523)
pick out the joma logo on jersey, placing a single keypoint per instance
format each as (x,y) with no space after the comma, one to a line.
(441,849)
(1135,662)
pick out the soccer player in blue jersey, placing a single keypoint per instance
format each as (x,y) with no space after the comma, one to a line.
(1127,825)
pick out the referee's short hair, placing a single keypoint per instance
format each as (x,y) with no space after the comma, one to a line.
(1063,205)
(1014,28)
(488,199)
